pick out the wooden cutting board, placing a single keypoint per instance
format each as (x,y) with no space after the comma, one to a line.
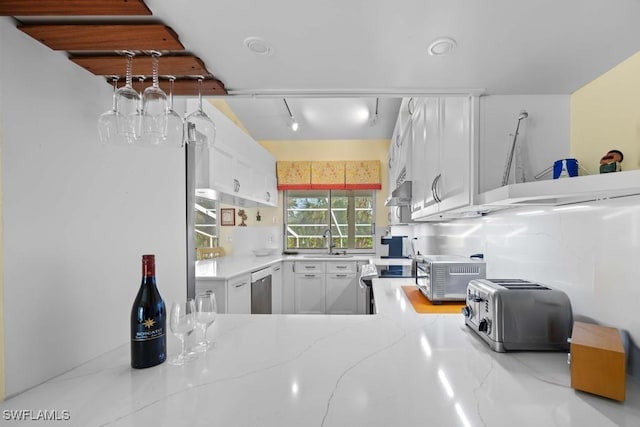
(421,304)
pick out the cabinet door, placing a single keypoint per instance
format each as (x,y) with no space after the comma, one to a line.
(341,296)
(431,157)
(418,155)
(221,174)
(218,287)
(455,153)
(276,288)
(239,295)
(244,179)
(288,286)
(310,294)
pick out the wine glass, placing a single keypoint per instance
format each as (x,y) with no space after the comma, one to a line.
(199,128)
(206,310)
(182,322)
(127,106)
(107,122)
(154,110)
(174,125)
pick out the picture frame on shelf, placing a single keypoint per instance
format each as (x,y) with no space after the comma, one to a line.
(227,216)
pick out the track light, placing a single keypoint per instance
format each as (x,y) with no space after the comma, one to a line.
(374,118)
(292,121)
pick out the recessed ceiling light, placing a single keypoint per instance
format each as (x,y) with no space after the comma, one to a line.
(258,46)
(442,46)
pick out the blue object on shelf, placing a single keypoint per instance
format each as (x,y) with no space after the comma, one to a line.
(565,167)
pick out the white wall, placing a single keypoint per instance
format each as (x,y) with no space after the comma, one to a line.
(77,216)
(543,137)
(591,252)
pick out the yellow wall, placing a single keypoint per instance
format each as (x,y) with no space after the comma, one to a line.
(337,150)
(605,115)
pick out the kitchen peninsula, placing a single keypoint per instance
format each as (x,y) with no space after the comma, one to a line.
(394,368)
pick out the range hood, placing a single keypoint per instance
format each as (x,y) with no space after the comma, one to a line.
(401,196)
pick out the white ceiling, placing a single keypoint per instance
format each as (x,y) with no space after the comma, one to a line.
(354,47)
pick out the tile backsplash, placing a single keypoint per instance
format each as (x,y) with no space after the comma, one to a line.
(590,251)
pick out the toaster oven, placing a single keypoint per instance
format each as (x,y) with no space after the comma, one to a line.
(445,277)
(515,314)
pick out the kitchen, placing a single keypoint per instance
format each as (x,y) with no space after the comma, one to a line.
(103,212)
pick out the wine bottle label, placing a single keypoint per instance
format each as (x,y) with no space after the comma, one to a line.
(148,330)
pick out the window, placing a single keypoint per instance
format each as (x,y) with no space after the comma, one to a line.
(206,223)
(348,213)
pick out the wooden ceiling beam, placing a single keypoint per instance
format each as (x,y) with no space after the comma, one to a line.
(73,8)
(115,65)
(104,37)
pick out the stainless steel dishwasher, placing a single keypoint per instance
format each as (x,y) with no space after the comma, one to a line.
(261,291)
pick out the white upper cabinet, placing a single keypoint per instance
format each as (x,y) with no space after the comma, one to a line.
(236,170)
(442,156)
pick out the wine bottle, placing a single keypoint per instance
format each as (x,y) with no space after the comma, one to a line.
(148,320)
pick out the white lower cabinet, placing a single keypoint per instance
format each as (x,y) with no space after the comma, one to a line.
(324,287)
(341,294)
(276,288)
(219,289)
(310,293)
(288,287)
(232,296)
(239,294)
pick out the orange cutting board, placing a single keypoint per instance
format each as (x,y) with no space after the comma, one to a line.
(421,304)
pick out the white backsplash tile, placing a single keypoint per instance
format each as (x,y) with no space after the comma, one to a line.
(591,252)
(246,239)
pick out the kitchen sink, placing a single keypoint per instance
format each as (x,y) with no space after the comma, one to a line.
(328,256)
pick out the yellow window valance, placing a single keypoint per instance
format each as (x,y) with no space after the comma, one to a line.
(329,175)
(294,175)
(362,174)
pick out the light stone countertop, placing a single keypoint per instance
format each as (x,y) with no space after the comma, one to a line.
(227,267)
(396,368)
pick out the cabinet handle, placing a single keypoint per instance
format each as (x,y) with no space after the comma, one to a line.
(410,106)
(309,275)
(241,284)
(276,268)
(434,189)
(341,266)
(311,267)
(268,196)
(341,275)
(236,185)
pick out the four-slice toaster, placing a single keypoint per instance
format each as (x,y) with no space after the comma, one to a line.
(515,314)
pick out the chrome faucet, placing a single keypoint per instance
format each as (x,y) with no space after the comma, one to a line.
(330,244)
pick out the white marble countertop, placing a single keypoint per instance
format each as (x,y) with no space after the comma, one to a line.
(396,368)
(226,267)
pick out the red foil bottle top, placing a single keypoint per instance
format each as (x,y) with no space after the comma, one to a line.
(148,265)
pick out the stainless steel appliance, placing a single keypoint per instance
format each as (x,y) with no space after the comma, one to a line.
(388,271)
(445,277)
(368,272)
(515,314)
(261,291)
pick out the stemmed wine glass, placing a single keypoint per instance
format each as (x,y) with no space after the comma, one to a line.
(127,106)
(182,322)
(154,109)
(199,128)
(206,311)
(107,122)
(174,123)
